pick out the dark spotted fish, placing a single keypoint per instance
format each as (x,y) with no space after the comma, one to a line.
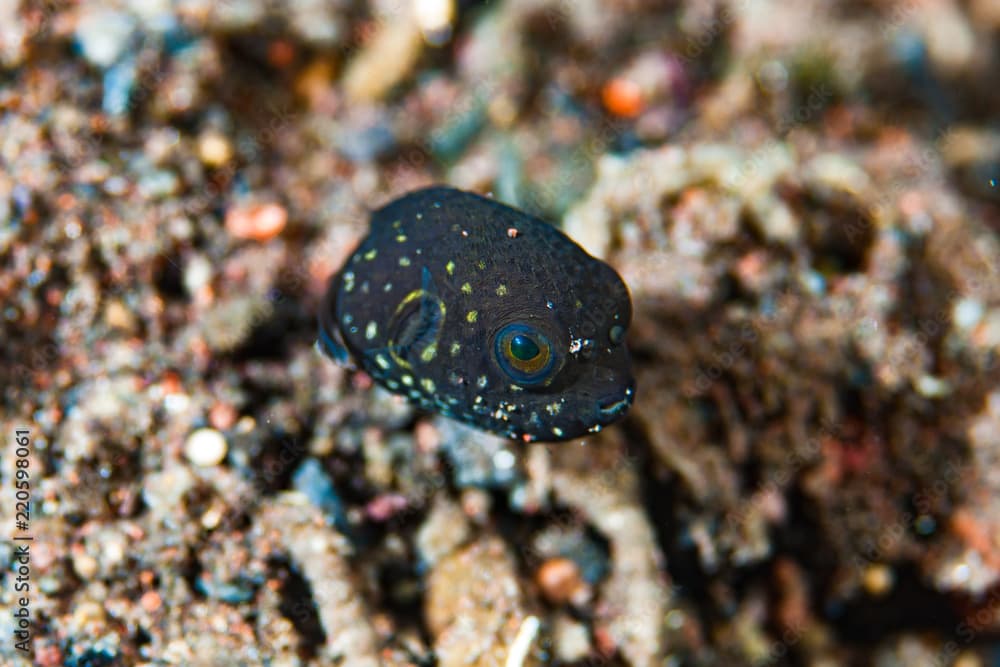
(484,314)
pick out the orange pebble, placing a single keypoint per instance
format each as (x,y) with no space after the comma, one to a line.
(171,382)
(280,53)
(623,97)
(260,222)
(150,601)
(48,655)
(222,416)
(559,579)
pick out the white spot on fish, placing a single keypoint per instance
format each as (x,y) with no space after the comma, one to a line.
(371,331)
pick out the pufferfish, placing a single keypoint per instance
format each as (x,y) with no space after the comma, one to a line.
(485,314)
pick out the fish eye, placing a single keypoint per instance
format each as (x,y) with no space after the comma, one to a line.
(524,354)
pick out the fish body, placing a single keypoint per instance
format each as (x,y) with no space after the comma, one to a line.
(485,314)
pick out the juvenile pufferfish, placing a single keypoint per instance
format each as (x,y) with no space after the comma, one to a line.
(485,314)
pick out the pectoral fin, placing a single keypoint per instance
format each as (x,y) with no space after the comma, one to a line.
(417,323)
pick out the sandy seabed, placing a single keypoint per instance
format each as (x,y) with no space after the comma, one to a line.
(804,199)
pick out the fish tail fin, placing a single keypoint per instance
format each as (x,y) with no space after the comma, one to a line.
(329,340)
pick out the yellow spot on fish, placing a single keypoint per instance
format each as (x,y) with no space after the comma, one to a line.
(466,288)
(371,254)
(371,330)
(450,268)
(382,362)
(404,261)
(428,385)
(471,316)
(407,380)
(481,265)
(428,353)
(455,349)
(556,431)
(553,408)
(578,305)
(502,290)
(401,238)
(397,224)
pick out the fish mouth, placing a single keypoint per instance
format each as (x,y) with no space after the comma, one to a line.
(612,407)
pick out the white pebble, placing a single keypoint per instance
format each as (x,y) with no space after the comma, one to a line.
(504,459)
(932,387)
(197,274)
(435,18)
(103,35)
(966,313)
(205,447)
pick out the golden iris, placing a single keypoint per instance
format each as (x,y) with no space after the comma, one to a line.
(524,353)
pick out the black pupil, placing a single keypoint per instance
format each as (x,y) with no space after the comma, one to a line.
(523,348)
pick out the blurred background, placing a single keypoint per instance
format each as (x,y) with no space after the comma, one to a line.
(804,199)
